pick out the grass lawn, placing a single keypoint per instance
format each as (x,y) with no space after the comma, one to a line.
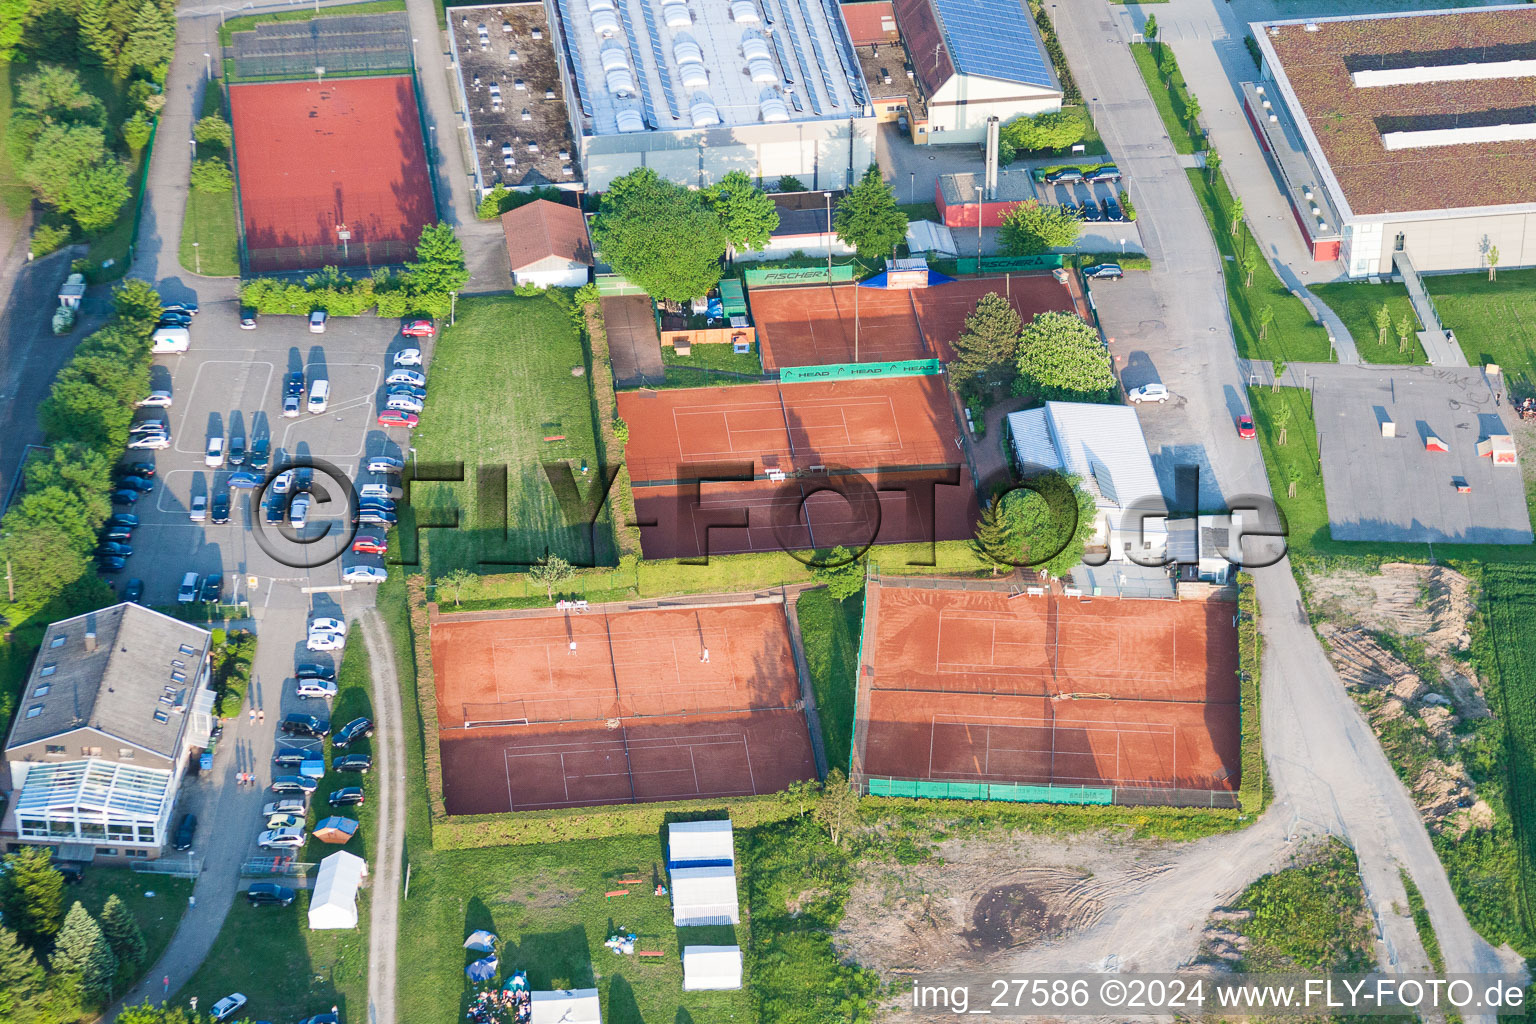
(14,196)
(697,369)
(1356,303)
(1171,102)
(830,629)
(502,383)
(233,25)
(1306,515)
(158,915)
(919,211)
(1311,916)
(209,220)
(1495,321)
(1293,335)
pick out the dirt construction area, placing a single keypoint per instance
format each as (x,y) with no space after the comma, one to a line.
(988,686)
(581,708)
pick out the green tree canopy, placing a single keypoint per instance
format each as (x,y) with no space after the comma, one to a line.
(144,1013)
(99,39)
(150,43)
(1033,227)
(1042,525)
(660,236)
(82,953)
(32,892)
(211,175)
(137,130)
(868,218)
(123,934)
(21,980)
(213,130)
(60,154)
(842,574)
(1055,130)
(790,183)
(1061,357)
(55,95)
(439,267)
(137,305)
(551,571)
(988,345)
(746,213)
(97,195)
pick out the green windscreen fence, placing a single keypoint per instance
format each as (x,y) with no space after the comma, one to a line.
(1005,792)
(732,299)
(1005,264)
(861,371)
(764,277)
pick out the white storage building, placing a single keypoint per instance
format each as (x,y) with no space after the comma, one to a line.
(711,968)
(567,1006)
(333,903)
(705,896)
(700,843)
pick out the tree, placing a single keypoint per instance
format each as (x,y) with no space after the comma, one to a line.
(123,935)
(790,183)
(137,305)
(868,218)
(1168,66)
(460,583)
(660,236)
(82,954)
(842,574)
(800,795)
(1249,262)
(150,43)
(1383,323)
(1192,113)
(21,978)
(1150,29)
(490,207)
(137,130)
(838,809)
(61,153)
(551,571)
(1266,317)
(211,175)
(55,95)
(97,195)
(1212,165)
(1049,131)
(439,267)
(1061,357)
(1404,332)
(990,538)
(144,1013)
(31,888)
(1047,524)
(1237,213)
(1493,263)
(1032,227)
(213,130)
(988,344)
(747,216)
(98,39)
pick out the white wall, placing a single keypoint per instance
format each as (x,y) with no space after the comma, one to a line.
(1454,243)
(787,245)
(574,277)
(958,114)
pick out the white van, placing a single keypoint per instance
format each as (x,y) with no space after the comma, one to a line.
(319,394)
(169,340)
(188,590)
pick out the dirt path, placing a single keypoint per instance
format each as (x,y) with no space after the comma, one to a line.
(385,892)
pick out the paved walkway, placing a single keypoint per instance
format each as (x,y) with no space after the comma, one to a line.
(390,812)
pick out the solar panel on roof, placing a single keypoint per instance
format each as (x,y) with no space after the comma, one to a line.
(995,39)
(661,61)
(575,57)
(634,55)
(821,55)
(787,23)
(845,51)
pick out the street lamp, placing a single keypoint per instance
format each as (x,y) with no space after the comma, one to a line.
(1122,247)
(197,258)
(828,197)
(193,143)
(453,306)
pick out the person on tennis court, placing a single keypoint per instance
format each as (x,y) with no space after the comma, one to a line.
(573,646)
(704,657)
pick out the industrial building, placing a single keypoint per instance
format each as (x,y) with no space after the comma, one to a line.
(1404,141)
(975,59)
(691,89)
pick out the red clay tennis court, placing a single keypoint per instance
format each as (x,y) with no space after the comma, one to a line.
(816,325)
(568,709)
(315,158)
(987,686)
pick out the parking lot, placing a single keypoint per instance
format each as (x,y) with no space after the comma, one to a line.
(1098,205)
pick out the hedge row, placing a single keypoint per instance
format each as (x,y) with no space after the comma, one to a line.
(935,818)
(568,824)
(626,535)
(1252,790)
(426,696)
(388,294)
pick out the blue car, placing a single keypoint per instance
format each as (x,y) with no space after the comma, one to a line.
(244,480)
(1104,270)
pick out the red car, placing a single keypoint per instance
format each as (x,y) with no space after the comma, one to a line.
(419,329)
(1245,425)
(395,418)
(370,546)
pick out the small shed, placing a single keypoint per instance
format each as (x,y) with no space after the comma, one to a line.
(566,1006)
(547,245)
(335,830)
(72,292)
(711,967)
(333,904)
(733,300)
(1500,448)
(704,896)
(700,844)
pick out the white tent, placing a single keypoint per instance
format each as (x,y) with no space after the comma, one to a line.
(931,236)
(333,903)
(700,842)
(711,967)
(566,1006)
(704,896)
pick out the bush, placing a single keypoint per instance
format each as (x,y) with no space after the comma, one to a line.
(137,130)
(47,238)
(211,175)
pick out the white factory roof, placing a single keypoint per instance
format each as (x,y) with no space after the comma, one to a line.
(692,843)
(647,65)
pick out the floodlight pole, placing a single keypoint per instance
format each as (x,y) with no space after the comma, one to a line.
(828,197)
(208,66)
(453,306)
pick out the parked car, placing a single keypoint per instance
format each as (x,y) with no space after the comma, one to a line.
(174,318)
(326,641)
(282,839)
(298,511)
(117,533)
(247,318)
(261,452)
(135,483)
(277,509)
(186,831)
(1089,212)
(148,427)
(310,670)
(327,624)
(225,1008)
(1104,271)
(365,574)
(187,592)
(110,563)
(384,464)
(1112,211)
(300,724)
(375,516)
(142,470)
(123,519)
(406,391)
(398,418)
(386,504)
(213,588)
(401,403)
(151,442)
(244,481)
(307,688)
(214,457)
(112,548)
(155,400)
(219,513)
(415,378)
(197,510)
(1067,175)
(322,1018)
(293,383)
(366,544)
(319,394)
(237,451)
(134,591)
(188,307)
(1109,172)
(1245,426)
(294,784)
(124,497)
(419,329)
(347,796)
(269,894)
(1153,392)
(357,728)
(288,805)
(290,757)
(408,357)
(317,320)
(291,405)
(360,763)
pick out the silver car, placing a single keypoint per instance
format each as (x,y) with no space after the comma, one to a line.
(365,574)
(307,688)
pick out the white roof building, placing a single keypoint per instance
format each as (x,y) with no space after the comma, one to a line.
(567,1006)
(333,903)
(711,968)
(1103,446)
(700,843)
(704,896)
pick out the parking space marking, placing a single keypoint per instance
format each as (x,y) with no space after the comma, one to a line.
(219,406)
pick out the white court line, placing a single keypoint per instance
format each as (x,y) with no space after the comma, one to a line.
(746,749)
(693,765)
(506,763)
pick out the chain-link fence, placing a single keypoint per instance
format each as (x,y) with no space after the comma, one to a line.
(277,259)
(349,45)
